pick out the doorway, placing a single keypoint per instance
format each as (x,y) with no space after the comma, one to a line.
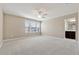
(70,28)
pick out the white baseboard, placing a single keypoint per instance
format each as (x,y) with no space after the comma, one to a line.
(15,38)
(12,39)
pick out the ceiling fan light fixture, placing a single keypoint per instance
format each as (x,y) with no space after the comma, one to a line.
(40,12)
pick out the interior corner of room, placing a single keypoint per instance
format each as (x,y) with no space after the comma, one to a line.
(15,26)
(19,20)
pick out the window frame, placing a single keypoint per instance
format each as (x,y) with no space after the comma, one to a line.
(30,27)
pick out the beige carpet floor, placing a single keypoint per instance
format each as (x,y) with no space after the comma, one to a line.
(40,45)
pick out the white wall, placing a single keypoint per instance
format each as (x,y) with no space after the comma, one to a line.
(56,27)
(13,26)
(78,26)
(1,26)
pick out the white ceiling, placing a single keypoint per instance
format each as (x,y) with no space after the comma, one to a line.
(54,9)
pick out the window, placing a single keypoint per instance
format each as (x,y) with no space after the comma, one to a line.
(32,26)
(70,24)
